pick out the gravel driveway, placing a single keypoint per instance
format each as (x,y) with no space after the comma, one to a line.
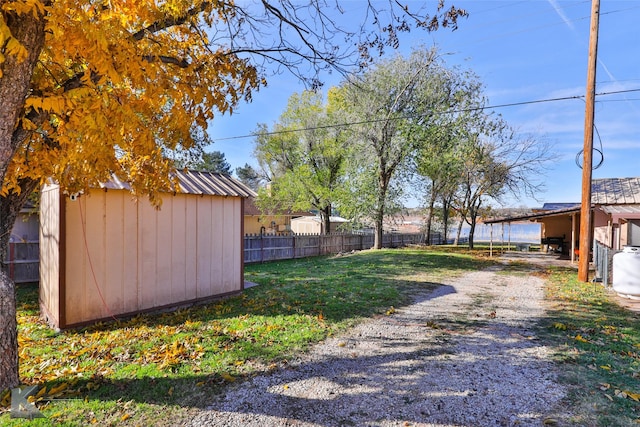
(465,354)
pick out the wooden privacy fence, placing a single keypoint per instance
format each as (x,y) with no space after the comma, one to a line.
(270,247)
(23,262)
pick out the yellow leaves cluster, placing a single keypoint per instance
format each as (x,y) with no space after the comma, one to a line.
(580,338)
(560,326)
(168,356)
(11,45)
(54,104)
(111,96)
(622,394)
(24,7)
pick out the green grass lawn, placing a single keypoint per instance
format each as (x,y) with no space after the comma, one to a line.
(158,369)
(598,344)
(155,369)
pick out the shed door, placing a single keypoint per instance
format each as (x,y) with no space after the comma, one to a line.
(634,233)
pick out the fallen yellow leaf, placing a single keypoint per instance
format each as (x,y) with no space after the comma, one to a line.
(41,392)
(632,395)
(580,338)
(227,377)
(54,391)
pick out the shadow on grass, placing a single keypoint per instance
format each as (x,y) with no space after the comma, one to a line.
(336,287)
(329,290)
(417,378)
(597,342)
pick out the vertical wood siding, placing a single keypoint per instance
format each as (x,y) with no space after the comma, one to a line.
(125,256)
(49,237)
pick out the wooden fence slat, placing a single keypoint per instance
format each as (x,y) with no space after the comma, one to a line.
(270,247)
(23,261)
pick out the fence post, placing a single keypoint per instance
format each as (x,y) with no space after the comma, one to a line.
(294,247)
(261,247)
(12,256)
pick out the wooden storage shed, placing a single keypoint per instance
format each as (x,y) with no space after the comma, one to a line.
(104,254)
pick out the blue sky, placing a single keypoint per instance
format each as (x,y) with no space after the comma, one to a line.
(523,51)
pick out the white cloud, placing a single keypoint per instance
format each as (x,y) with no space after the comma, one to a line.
(554,4)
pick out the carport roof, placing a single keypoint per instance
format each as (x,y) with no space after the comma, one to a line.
(614,195)
(537,215)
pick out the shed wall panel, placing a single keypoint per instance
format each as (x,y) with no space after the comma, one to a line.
(179,250)
(114,251)
(148,244)
(129,253)
(217,250)
(204,242)
(49,238)
(229,246)
(163,252)
(125,256)
(76,261)
(191,248)
(95,273)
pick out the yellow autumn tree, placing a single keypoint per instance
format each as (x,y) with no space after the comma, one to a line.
(95,88)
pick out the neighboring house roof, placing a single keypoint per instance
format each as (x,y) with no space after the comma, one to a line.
(556,206)
(200,183)
(615,191)
(621,209)
(332,219)
(250,208)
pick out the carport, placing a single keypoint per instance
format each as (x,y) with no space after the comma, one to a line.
(559,229)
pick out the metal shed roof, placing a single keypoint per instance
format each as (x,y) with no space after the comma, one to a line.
(200,183)
(615,191)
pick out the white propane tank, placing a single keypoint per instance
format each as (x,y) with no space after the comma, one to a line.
(626,272)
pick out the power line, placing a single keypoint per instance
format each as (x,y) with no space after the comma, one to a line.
(464,110)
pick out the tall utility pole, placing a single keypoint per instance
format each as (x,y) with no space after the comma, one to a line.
(587,164)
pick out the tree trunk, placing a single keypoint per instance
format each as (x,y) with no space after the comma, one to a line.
(379,213)
(325,214)
(459,232)
(10,207)
(445,218)
(473,216)
(377,243)
(9,377)
(472,231)
(14,86)
(429,219)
